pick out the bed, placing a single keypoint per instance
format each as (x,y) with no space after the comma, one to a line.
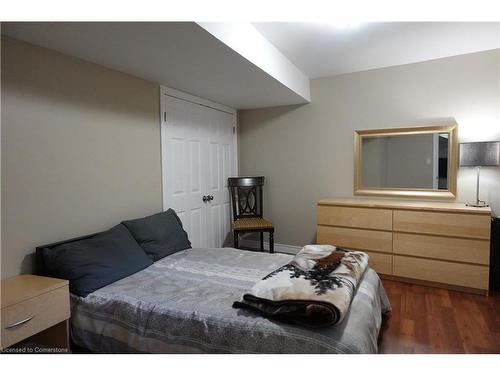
(182,303)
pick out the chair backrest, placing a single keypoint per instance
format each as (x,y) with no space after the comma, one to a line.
(246,196)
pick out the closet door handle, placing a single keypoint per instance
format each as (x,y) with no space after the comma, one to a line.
(210,197)
(205,199)
(13,325)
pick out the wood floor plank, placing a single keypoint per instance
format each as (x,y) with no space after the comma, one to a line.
(434,320)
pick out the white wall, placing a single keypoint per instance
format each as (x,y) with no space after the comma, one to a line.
(244,38)
(306,152)
(80,150)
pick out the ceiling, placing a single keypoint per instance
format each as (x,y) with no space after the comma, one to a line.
(319,49)
(253,65)
(180,55)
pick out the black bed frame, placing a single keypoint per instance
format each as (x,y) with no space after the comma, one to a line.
(40,267)
(41,270)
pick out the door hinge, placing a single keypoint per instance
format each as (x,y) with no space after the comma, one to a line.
(164,116)
(234,129)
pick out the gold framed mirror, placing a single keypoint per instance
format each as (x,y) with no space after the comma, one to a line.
(418,162)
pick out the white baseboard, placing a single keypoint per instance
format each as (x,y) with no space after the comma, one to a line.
(278,247)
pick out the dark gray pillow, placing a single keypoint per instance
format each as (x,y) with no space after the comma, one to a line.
(160,234)
(92,263)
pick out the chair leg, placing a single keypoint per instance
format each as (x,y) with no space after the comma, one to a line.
(261,241)
(236,239)
(271,241)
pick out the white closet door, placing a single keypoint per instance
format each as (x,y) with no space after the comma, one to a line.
(197,157)
(220,167)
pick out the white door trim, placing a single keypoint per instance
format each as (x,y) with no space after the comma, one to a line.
(197,100)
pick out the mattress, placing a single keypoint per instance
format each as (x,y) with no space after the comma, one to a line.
(183,304)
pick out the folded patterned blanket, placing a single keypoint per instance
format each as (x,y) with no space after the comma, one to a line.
(315,289)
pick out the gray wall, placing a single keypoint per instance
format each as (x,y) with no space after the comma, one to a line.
(80,149)
(398,162)
(406,161)
(373,160)
(306,152)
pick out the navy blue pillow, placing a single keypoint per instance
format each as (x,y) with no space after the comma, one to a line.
(92,263)
(159,235)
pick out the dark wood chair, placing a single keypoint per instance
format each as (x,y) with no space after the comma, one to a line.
(246,199)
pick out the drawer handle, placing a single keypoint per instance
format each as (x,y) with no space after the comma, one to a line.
(13,325)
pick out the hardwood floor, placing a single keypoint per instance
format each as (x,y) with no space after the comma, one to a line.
(433,320)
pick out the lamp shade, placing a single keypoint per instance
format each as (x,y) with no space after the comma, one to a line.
(479,154)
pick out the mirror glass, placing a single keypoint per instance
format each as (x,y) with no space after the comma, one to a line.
(405,161)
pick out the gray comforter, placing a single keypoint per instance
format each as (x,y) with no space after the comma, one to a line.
(182,304)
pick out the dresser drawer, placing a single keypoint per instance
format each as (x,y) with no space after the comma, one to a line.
(354,217)
(350,238)
(440,223)
(445,248)
(466,275)
(38,314)
(381,263)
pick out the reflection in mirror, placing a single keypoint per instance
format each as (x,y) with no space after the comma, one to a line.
(406,161)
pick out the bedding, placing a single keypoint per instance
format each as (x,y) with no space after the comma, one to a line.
(314,289)
(160,234)
(95,261)
(183,304)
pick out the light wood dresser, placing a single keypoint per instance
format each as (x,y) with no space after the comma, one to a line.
(38,308)
(430,243)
